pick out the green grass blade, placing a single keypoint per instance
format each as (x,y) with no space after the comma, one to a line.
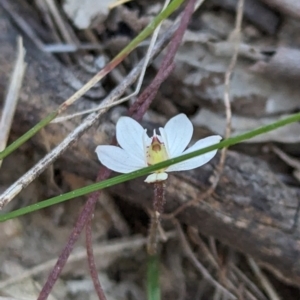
(130,47)
(142,172)
(153,286)
(25,137)
(151,27)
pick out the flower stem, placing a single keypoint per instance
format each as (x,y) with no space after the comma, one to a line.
(158,205)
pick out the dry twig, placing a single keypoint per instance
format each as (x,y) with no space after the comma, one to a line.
(265,283)
(59,21)
(191,256)
(228,73)
(91,260)
(12,95)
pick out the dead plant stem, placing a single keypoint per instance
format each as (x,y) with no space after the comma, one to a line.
(12,96)
(191,256)
(220,167)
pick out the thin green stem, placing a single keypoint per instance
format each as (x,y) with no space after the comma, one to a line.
(30,133)
(142,172)
(153,286)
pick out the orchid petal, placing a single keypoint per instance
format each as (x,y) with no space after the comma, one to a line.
(130,136)
(197,161)
(177,134)
(155,177)
(118,160)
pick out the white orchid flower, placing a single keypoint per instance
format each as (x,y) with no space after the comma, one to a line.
(138,150)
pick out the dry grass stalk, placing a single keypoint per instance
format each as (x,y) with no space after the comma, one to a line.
(228,73)
(12,96)
(192,257)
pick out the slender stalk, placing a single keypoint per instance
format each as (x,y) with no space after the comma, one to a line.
(83,218)
(145,171)
(91,260)
(158,206)
(153,286)
(12,96)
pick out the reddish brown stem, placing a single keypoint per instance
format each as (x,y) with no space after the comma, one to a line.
(91,260)
(138,109)
(81,221)
(84,215)
(167,62)
(158,206)
(159,197)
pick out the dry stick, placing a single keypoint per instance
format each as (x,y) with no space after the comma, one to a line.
(235,271)
(237,35)
(188,251)
(59,21)
(91,260)
(48,17)
(238,274)
(237,30)
(12,96)
(44,9)
(104,173)
(251,286)
(117,3)
(34,172)
(168,61)
(194,236)
(266,284)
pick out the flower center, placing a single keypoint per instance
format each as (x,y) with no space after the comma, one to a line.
(156,152)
